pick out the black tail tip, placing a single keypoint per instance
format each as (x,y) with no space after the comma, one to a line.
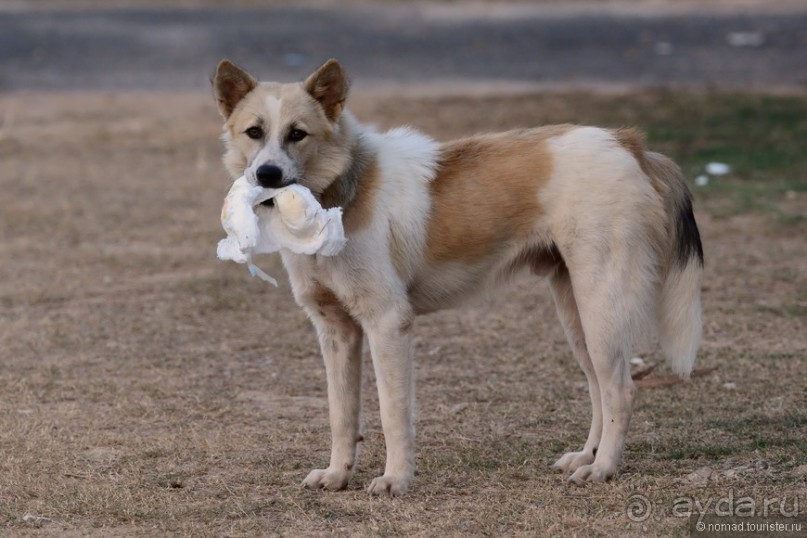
(688,236)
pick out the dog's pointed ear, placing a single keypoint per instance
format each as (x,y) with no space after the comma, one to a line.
(230,85)
(329,86)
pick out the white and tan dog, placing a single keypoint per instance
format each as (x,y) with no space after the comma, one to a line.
(430,225)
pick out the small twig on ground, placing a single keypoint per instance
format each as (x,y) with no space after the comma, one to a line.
(641,374)
(669,380)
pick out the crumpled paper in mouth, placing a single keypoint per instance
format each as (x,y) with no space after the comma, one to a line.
(296,222)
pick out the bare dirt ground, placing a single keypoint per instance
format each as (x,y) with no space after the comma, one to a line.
(148,389)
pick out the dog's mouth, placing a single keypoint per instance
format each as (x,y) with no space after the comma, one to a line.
(270,202)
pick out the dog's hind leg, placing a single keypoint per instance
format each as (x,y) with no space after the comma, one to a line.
(613,304)
(562,293)
(617,392)
(341,340)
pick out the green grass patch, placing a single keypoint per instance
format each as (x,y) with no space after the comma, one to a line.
(760,137)
(755,434)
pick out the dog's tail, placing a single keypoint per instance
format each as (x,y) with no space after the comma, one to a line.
(679,308)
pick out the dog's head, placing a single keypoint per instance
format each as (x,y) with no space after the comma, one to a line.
(279,134)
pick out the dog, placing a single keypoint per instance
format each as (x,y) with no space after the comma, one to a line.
(429,225)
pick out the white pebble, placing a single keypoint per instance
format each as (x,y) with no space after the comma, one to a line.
(718,169)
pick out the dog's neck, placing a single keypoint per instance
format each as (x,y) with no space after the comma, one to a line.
(344,188)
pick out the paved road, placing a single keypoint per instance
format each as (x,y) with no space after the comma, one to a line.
(136,49)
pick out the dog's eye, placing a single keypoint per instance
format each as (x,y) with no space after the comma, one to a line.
(254,133)
(296,135)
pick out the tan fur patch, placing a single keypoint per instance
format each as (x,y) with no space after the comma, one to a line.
(323,297)
(633,140)
(486,192)
(358,212)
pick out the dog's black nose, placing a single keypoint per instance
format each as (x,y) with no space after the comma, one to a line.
(269,176)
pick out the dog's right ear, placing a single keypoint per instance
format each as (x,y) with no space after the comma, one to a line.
(231,84)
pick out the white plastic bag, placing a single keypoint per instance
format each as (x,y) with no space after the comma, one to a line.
(296,222)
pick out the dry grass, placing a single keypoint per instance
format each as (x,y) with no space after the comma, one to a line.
(149,389)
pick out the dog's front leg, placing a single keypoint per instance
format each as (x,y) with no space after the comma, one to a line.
(341,339)
(390,338)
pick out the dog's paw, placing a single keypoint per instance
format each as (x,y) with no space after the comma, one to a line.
(571,461)
(332,480)
(592,473)
(388,486)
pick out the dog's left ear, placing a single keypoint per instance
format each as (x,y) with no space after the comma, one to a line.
(329,86)
(231,84)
